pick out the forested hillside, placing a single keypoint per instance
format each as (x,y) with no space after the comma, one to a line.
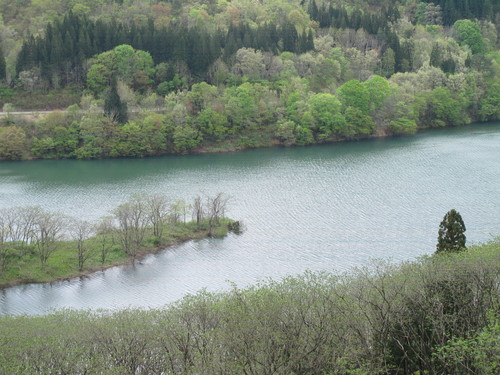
(147,77)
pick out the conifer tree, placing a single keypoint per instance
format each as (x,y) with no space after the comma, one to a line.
(451,234)
(290,37)
(3,69)
(302,43)
(310,41)
(313,10)
(435,58)
(393,42)
(114,108)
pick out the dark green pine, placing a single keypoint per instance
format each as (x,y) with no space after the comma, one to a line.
(435,59)
(290,37)
(114,108)
(451,234)
(3,68)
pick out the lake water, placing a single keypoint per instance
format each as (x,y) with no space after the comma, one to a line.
(329,207)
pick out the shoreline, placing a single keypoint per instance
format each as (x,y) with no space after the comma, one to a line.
(268,143)
(221,231)
(89,272)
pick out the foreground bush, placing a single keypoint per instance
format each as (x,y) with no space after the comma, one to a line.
(437,315)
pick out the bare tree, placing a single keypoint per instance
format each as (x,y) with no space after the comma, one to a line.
(81,231)
(198,210)
(106,231)
(49,229)
(4,248)
(158,210)
(215,208)
(132,219)
(21,224)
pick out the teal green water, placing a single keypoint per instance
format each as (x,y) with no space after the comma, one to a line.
(327,207)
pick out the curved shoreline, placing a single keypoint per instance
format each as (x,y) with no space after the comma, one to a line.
(221,231)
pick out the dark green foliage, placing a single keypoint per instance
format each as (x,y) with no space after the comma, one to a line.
(330,16)
(436,58)
(290,37)
(394,44)
(458,9)
(407,52)
(448,66)
(68,42)
(451,234)
(313,9)
(3,67)
(114,108)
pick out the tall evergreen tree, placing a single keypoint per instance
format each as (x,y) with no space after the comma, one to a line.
(451,234)
(310,41)
(114,108)
(312,9)
(435,58)
(393,43)
(302,43)
(3,67)
(407,51)
(290,37)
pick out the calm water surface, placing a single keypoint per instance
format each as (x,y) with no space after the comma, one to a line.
(326,207)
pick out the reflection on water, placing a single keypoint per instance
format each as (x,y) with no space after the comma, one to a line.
(327,207)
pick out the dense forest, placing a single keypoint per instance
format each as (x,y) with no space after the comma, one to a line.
(145,77)
(438,315)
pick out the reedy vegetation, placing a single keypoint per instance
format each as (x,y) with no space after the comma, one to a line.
(238,74)
(437,315)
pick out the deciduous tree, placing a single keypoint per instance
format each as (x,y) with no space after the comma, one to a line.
(468,33)
(106,231)
(132,218)
(12,142)
(48,230)
(81,231)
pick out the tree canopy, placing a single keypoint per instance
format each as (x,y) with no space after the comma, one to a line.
(243,73)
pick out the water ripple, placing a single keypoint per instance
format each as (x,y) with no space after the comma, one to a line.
(321,208)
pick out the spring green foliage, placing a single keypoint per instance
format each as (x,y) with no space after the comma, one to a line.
(490,110)
(12,142)
(469,34)
(477,353)
(122,62)
(228,75)
(438,315)
(451,234)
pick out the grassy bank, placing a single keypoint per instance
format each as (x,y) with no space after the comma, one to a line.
(436,315)
(63,263)
(38,246)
